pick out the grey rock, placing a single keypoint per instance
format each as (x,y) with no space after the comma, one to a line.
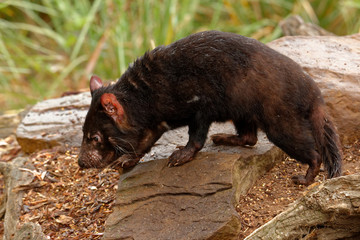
(173,139)
(54,122)
(30,231)
(14,177)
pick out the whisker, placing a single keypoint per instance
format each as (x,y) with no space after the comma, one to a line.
(122,149)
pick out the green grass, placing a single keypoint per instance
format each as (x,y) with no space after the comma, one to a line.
(51,46)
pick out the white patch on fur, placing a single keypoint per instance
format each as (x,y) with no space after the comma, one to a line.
(194,99)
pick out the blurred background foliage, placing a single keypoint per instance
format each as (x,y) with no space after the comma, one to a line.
(51,46)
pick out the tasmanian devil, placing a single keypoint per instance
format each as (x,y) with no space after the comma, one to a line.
(207,77)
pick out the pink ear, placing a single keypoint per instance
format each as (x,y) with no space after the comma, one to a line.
(95,83)
(112,107)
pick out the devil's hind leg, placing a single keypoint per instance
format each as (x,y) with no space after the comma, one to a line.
(296,139)
(246,135)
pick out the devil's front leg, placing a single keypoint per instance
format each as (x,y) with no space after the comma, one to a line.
(198,130)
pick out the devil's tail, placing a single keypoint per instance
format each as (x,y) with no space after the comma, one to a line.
(327,141)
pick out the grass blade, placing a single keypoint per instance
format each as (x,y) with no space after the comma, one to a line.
(85,29)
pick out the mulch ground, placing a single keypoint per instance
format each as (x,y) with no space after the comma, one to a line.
(70,203)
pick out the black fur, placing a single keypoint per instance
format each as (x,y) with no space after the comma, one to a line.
(206,77)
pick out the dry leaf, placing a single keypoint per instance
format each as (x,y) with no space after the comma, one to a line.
(63,219)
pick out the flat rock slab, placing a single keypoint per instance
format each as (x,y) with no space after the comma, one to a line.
(54,122)
(193,201)
(334,63)
(173,139)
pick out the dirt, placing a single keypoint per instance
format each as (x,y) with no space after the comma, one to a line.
(70,203)
(273,193)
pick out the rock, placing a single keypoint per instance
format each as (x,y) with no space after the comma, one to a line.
(334,63)
(173,139)
(193,201)
(54,122)
(14,177)
(328,211)
(8,123)
(30,231)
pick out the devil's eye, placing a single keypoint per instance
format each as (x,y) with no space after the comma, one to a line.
(96,138)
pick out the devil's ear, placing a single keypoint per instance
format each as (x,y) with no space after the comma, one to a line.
(95,83)
(113,108)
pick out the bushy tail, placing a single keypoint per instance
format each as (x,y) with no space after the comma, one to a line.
(327,141)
